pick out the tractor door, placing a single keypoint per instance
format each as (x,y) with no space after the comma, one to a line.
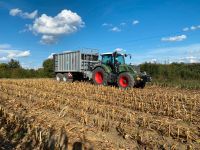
(108,60)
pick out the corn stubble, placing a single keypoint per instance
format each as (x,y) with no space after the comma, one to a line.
(64,115)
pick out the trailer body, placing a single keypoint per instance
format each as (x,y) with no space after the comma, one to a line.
(76,63)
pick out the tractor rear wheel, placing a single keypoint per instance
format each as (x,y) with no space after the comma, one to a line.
(59,77)
(99,76)
(125,80)
(68,77)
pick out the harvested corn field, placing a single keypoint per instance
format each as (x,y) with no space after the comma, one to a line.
(43,113)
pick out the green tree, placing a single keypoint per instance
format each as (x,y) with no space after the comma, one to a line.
(48,67)
(13,64)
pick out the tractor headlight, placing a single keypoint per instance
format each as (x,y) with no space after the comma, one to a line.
(138,78)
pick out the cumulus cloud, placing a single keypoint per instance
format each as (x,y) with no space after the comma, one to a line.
(115,29)
(7,54)
(64,23)
(174,38)
(135,22)
(25,15)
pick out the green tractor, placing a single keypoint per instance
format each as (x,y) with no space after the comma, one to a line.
(113,70)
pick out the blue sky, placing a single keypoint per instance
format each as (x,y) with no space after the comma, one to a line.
(167,30)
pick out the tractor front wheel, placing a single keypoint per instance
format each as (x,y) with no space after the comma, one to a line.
(99,76)
(125,80)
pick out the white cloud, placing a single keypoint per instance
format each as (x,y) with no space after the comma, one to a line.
(64,23)
(107,25)
(15,12)
(23,54)
(174,38)
(3,58)
(7,54)
(186,29)
(119,50)
(135,22)
(115,29)
(17,53)
(192,28)
(153,61)
(186,54)
(190,59)
(51,56)
(48,39)
(25,15)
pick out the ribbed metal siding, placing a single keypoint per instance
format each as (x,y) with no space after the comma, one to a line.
(68,62)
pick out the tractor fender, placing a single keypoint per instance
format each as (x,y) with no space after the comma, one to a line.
(134,75)
(106,68)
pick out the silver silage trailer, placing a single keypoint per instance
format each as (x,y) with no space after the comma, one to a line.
(75,65)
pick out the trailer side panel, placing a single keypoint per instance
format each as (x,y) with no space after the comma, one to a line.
(68,62)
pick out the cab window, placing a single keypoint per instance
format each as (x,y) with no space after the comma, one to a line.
(120,59)
(107,59)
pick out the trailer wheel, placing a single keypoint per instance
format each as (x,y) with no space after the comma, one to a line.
(99,76)
(125,80)
(68,77)
(59,77)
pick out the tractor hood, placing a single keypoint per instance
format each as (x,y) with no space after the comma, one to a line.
(127,68)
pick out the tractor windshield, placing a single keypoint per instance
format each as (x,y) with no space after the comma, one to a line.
(120,59)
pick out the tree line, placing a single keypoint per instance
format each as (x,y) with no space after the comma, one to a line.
(159,72)
(172,72)
(13,69)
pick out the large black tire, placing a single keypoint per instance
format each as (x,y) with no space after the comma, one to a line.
(99,76)
(68,77)
(142,85)
(59,77)
(125,80)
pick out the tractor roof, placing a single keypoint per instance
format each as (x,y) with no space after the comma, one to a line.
(110,53)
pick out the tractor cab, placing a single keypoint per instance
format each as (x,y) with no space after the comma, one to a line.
(113,60)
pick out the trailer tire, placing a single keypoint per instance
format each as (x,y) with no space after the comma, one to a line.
(125,80)
(99,76)
(59,77)
(67,77)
